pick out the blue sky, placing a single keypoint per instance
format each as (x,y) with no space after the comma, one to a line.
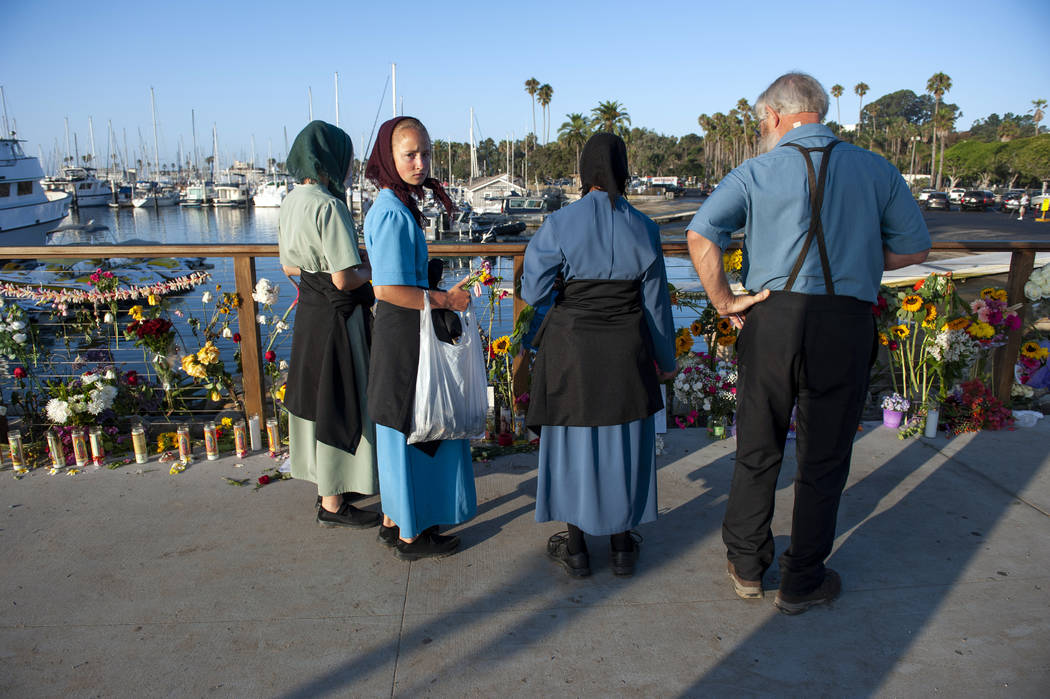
(246,66)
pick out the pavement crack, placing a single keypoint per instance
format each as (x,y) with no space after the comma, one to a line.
(400,631)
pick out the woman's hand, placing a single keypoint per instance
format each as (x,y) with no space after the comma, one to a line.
(665,375)
(457,298)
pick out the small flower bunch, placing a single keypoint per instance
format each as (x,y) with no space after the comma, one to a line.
(705,384)
(207,368)
(155,334)
(1033,357)
(17,333)
(266,293)
(733,264)
(896,401)
(483,277)
(973,407)
(1037,287)
(83,399)
(994,318)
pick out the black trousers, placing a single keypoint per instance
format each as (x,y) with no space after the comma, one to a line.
(817,350)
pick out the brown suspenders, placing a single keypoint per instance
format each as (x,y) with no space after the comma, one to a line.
(816,225)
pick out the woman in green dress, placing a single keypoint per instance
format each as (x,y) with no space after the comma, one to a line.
(332,438)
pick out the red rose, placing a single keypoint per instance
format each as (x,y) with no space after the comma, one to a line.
(236,337)
(263,480)
(271,356)
(505,439)
(19,372)
(132,378)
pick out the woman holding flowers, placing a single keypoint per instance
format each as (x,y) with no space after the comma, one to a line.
(427,484)
(602,350)
(331,435)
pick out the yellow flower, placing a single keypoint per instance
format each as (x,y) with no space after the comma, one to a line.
(732,261)
(153,299)
(883,339)
(991,292)
(726,340)
(226,422)
(900,331)
(957,323)
(280,392)
(194,368)
(215,396)
(911,303)
(696,329)
(725,327)
(177,468)
(501,345)
(683,342)
(980,330)
(208,354)
(136,312)
(931,315)
(1033,350)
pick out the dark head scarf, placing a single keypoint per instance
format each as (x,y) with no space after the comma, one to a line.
(383,172)
(322,149)
(603,164)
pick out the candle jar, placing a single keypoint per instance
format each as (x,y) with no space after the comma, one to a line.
(14,439)
(254,433)
(185,448)
(80,451)
(54,444)
(138,443)
(240,439)
(211,441)
(273,435)
(98,452)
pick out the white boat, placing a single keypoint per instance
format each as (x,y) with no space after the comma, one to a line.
(153,196)
(231,195)
(271,194)
(198,194)
(26,209)
(86,189)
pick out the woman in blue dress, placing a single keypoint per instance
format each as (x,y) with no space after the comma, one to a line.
(611,318)
(432,483)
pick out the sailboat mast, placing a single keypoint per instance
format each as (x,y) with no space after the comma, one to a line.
(337,98)
(91,132)
(393,82)
(310,100)
(156,141)
(7,127)
(196,163)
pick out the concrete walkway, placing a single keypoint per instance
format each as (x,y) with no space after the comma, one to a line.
(138,583)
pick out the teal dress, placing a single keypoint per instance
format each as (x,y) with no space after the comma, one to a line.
(316,234)
(419,490)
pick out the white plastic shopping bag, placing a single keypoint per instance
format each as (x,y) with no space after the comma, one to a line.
(450,398)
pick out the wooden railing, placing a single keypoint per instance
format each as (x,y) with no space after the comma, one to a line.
(1021,264)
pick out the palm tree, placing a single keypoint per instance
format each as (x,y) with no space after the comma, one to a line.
(937,85)
(611,116)
(861,89)
(1038,109)
(545,93)
(836,92)
(531,86)
(575,133)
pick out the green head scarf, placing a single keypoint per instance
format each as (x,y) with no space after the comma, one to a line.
(322,149)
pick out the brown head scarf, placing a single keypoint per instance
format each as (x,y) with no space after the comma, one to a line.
(383,172)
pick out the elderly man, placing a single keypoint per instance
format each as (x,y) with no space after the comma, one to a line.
(822,219)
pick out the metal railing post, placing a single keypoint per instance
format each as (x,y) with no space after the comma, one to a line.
(251,354)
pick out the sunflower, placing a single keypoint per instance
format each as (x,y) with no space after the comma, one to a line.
(1033,350)
(958,323)
(696,329)
(991,292)
(501,345)
(733,261)
(726,340)
(980,330)
(724,326)
(911,303)
(884,339)
(900,331)
(683,342)
(931,315)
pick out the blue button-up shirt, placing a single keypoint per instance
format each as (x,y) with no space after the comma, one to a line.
(867,205)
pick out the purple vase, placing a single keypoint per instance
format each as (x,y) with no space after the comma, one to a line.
(891,418)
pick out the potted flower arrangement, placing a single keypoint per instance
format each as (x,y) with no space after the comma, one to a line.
(894,406)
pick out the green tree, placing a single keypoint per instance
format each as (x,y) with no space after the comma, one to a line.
(574,133)
(937,85)
(611,116)
(861,89)
(545,92)
(1038,109)
(836,92)
(531,86)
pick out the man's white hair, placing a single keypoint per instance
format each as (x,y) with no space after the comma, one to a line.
(793,93)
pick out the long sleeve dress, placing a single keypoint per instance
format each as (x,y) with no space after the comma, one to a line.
(430,483)
(317,235)
(593,388)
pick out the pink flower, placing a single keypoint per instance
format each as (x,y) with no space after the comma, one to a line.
(1013,321)
(19,372)
(679,421)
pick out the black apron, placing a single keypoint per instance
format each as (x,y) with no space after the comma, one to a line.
(322,384)
(594,365)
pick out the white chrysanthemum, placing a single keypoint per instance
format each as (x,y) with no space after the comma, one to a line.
(57,411)
(95,405)
(261,319)
(88,379)
(106,394)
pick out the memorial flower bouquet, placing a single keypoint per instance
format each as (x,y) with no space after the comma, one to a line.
(897,402)
(972,407)
(1037,288)
(705,385)
(18,333)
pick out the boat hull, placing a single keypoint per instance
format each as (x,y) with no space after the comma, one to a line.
(44,213)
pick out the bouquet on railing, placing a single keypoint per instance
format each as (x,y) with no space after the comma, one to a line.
(897,402)
(705,385)
(18,334)
(1037,287)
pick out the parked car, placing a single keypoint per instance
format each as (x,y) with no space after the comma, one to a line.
(1037,204)
(925,192)
(1011,200)
(977,200)
(955,194)
(937,200)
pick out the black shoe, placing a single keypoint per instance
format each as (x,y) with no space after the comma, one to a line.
(347,497)
(347,516)
(622,562)
(796,604)
(388,536)
(578,565)
(429,544)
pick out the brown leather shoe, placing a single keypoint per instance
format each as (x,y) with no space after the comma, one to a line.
(745,589)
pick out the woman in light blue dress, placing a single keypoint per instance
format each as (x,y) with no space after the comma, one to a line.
(603,348)
(429,484)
